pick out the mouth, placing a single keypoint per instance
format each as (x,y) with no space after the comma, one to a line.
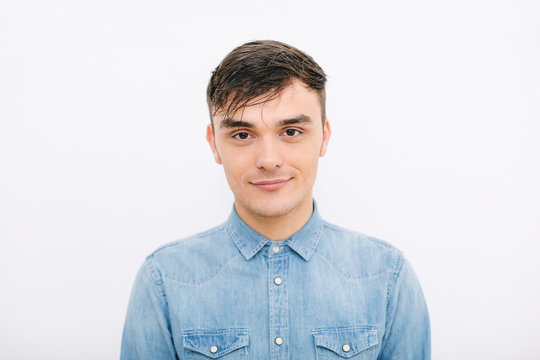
(273,184)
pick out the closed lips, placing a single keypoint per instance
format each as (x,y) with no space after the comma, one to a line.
(269,182)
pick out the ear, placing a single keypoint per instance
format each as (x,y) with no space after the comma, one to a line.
(212,142)
(327,131)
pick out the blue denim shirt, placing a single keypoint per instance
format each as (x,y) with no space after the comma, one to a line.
(229,294)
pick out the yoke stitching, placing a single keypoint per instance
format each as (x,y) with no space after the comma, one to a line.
(348,277)
(200,282)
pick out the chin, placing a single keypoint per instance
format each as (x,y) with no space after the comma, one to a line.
(271,210)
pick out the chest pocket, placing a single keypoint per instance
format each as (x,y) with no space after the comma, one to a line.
(352,342)
(223,344)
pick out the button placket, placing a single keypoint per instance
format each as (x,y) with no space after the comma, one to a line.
(278,303)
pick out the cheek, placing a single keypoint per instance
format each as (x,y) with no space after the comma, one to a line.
(305,161)
(307,153)
(235,165)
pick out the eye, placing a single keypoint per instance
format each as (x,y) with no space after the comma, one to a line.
(241,136)
(292,132)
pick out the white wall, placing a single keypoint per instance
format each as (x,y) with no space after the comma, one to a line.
(435,111)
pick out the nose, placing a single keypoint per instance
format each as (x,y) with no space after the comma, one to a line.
(268,156)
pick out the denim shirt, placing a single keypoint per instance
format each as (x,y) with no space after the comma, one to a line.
(229,293)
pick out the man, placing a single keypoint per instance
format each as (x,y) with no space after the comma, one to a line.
(275,281)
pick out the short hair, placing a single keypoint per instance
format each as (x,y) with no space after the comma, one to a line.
(261,69)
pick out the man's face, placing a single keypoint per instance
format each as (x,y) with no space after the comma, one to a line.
(270,151)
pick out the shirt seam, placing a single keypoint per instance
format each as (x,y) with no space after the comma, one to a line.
(200,235)
(340,329)
(395,272)
(364,236)
(201,282)
(157,283)
(369,276)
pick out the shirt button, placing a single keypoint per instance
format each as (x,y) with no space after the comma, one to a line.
(277,281)
(275,249)
(346,348)
(279,341)
(213,349)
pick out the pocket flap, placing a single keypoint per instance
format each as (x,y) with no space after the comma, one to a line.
(215,343)
(346,341)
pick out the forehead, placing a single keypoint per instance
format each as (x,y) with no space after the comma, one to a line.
(295,100)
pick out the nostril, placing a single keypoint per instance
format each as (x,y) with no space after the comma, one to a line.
(269,158)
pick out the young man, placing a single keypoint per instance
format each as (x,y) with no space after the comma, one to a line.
(275,281)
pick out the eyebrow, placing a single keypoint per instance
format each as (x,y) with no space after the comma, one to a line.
(296,120)
(230,123)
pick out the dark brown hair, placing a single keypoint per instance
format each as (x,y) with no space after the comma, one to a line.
(261,69)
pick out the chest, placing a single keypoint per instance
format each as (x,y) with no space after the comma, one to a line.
(278,308)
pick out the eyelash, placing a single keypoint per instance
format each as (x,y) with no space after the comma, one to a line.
(235,136)
(298,132)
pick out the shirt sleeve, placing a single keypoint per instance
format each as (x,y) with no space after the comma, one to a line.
(407,334)
(147,330)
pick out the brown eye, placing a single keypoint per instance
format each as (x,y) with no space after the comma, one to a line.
(241,135)
(292,132)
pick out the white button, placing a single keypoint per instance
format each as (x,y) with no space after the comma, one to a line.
(279,341)
(346,348)
(213,349)
(277,281)
(275,249)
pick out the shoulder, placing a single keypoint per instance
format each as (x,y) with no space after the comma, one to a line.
(193,259)
(357,254)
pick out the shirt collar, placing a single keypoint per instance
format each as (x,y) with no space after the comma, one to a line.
(250,242)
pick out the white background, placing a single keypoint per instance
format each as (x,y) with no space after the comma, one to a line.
(435,108)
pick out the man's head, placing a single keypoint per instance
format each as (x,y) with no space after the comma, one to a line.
(260,70)
(266,102)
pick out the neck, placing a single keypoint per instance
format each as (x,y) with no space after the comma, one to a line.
(281,227)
